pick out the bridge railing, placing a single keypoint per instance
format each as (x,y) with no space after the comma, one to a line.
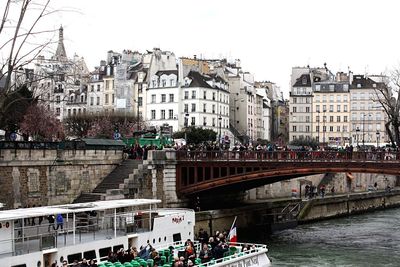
(225,155)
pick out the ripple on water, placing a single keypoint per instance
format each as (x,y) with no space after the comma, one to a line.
(364,240)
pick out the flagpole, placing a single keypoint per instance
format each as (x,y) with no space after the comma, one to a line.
(230,230)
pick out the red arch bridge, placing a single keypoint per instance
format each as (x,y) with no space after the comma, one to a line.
(206,172)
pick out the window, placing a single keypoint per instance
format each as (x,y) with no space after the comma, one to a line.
(307,129)
(213,122)
(193,107)
(308,109)
(345,98)
(58,99)
(140,88)
(204,121)
(140,101)
(193,94)
(294,100)
(98,101)
(213,109)
(186,94)
(98,88)
(163,114)
(344,128)
(92,101)
(163,98)
(337,118)
(317,98)
(324,98)
(153,114)
(106,99)
(294,128)
(345,119)
(58,111)
(345,108)
(170,114)
(318,87)
(92,88)
(171,82)
(338,98)
(317,128)
(338,108)
(171,97)
(153,98)
(331,128)
(193,121)
(317,119)
(294,109)
(330,118)
(186,108)
(164,83)
(330,108)
(205,94)
(307,118)
(213,96)
(331,98)
(154,83)
(317,108)
(204,108)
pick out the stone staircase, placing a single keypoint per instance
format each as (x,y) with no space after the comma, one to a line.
(123,181)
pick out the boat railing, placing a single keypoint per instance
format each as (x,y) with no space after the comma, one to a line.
(29,239)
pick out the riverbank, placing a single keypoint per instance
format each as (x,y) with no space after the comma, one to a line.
(267,216)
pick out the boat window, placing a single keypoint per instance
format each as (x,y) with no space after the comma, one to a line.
(165,238)
(21,265)
(91,254)
(159,239)
(176,237)
(117,247)
(154,240)
(103,252)
(77,256)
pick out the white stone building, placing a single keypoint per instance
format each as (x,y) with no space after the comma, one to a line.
(163,99)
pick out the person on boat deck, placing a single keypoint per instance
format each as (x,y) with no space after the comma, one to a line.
(51,220)
(202,236)
(190,253)
(205,254)
(60,222)
(219,250)
(84,263)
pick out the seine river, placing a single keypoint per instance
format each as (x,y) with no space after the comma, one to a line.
(371,239)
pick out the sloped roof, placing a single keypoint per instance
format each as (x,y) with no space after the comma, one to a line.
(167,72)
(303,81)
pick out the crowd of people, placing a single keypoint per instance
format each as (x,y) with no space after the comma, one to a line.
(211,248)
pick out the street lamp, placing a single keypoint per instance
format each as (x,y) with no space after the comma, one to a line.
(319,118)
(357,131)
(377,138)
(324,127)
(219,138)
(186,126)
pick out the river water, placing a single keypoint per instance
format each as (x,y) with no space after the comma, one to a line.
(371,239)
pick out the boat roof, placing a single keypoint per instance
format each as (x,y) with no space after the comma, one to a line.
(6,215)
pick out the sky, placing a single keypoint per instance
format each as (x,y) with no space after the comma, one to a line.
(269,37)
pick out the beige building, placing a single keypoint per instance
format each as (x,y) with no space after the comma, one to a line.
(367,115)
(331,116)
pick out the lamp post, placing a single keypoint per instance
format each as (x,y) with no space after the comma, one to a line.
(219,138)
(377,138)
(324,127)
(319,118)
(357,131)
(186,123)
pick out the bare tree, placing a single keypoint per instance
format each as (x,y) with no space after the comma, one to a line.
(387,95)
(22,39)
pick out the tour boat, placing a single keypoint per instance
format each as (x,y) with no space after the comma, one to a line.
(40,236)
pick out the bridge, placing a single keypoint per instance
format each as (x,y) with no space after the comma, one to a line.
(207,172)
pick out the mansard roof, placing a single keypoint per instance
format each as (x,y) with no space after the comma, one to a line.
(167,72)
(303,81)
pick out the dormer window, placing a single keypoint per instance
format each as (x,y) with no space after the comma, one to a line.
(358,85)
(171,82)
(304,81)
(154,83)
(164,83)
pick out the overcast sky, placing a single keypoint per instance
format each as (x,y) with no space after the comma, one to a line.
(270,37)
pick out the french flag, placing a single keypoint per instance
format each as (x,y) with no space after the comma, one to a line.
(232,233)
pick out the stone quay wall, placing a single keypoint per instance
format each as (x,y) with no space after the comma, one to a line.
(49,176)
